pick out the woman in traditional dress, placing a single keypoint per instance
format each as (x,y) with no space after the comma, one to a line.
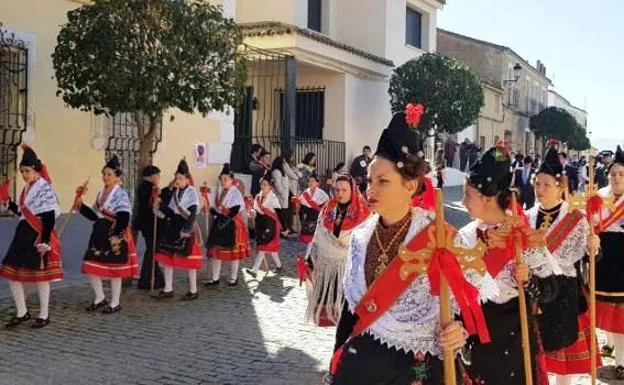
(487,197)
(268,226)
(311,201)
(391,319)
(111,251)
(564,322)
(229,236)
(327,253)
(34,254)
(178,245)
(610,266)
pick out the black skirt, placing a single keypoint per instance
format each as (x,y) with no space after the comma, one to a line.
(222,233)
(265,229)
(22,252)
(558,323)
(169,241)
(501,361)
(100,250)
(308,218)
(365,361)
(610,264)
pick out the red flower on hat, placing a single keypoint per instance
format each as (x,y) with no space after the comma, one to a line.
(413,113)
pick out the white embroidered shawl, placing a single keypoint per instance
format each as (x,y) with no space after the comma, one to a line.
(270,202)
(41,198)
(319,196)
(617,226)
(116,202)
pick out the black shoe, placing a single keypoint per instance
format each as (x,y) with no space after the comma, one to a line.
(97,306)
(233,283)
(211,283)
(40,323)
(251,272)
(163,295)
(619,372)
(16,321)
(190,296)
(278,269)
(111,310)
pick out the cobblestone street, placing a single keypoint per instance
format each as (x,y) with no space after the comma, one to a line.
(250,334)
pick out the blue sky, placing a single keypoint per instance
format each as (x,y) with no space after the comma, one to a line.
(580,42)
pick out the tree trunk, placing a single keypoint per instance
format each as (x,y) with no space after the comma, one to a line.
(146,141)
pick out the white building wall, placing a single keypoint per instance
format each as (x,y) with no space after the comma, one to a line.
(361,23)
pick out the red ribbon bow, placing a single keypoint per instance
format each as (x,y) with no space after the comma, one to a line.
(4,191)
(594,206)
(466,295)
(413,113)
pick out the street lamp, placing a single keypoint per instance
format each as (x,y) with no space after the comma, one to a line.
(517,70)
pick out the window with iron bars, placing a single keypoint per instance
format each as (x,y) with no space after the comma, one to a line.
(124,140)
(13,102)
(310,112)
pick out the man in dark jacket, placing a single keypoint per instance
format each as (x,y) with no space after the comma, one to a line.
(144,222)
(359,168)
(258,167)
(524,183)
(571,173)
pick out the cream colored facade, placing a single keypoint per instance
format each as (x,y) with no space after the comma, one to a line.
(73,143)
(353,55)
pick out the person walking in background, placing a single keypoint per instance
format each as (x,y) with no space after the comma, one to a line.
(464,152)
(359,168)
(282,191)
(449,150)
(144,222)
(523,182)
(571,172)
(292,174)
(311,201)
(306,168)
(259,167)
(439,167)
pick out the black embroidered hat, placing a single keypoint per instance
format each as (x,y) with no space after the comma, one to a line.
(617,159)
(227,170)
(183,168)
(491,173)
(113,164)
(399,139)
(551,164)
(29,159)
(150,170)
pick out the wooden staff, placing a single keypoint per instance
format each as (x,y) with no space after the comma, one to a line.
(155,194)
(524,321)
(79,194)
(445,302)
(592,278)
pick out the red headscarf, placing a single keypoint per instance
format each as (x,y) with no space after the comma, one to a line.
(357,212)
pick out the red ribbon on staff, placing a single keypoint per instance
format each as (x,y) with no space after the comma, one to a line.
(594,206)
(204,191)
(80,191)
(4,191)
(466,295)
(303,271)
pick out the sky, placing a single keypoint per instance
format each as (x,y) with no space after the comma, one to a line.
(581,43)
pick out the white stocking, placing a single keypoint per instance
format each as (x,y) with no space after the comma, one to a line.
(115,292)
(618,340)
(276,258)
(216,269)
(259,259)
(168,273)
(17,290)
(44,299)
(98,290)
(192,276)
(234,271)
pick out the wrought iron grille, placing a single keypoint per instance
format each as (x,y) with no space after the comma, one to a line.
(13,101)
(124,140)
(260,117)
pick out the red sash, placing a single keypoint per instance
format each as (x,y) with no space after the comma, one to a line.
(560,232)
(268,212)
(402,271)
(311,201)
(37,224)
(613,217)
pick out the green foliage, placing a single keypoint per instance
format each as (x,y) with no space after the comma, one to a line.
(451,93)
(579,141)
(553,123)
(148,55)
